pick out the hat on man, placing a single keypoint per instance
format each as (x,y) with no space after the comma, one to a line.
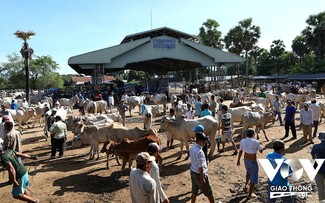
(306,104)
(143,157)
(289,100)
(278,144)
(198,128)
(201,136)
(321,136)
(54,109)
(153,147)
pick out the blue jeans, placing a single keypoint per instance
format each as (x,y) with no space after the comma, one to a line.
(278,113)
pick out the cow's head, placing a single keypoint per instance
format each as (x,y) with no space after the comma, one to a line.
(76,142)
(269,117)
(165,121)
(108,147)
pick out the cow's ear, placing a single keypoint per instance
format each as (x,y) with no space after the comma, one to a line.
(108,145)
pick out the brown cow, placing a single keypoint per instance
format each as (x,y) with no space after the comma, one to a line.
(128,149)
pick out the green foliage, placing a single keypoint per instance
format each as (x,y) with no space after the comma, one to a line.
(49,80)
(209,34)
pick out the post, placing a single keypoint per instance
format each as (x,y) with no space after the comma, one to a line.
(27,53)
(247,80)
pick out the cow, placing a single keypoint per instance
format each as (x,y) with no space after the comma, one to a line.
(127,150)
(101,106)
(160,99)
(93,135)
(182,129)
(258,119)
(22,116)
(134,101)
(155,110)
(69,102)
(39,113)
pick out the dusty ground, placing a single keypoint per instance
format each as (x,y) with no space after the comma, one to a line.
(74,178)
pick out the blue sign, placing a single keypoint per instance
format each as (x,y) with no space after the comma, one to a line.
(164,43)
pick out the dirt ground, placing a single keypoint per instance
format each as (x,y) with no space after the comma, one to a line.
(74,178)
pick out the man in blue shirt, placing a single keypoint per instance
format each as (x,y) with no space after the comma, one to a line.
(205,110)
(318,152)
(13,105)
(290,120)
(279,151)
(198,107)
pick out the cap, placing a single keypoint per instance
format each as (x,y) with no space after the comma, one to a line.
(250,132)
(143,157)
(289,100)
(321,136)
(198,128)
(278,143)
(54,109)
(201,136)
(306,104)
(153,147)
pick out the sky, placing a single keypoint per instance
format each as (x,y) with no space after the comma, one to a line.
(65,28)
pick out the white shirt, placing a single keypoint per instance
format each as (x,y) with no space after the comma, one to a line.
(111,100)
(306,117)
(59,129)
(198,159)
(143,187)
(277,106)
(250,145)
(316,111)
(190,114)
(154,173)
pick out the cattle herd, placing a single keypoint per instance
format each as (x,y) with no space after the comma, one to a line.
(99,126)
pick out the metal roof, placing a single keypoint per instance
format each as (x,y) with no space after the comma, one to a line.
(158,32)
(165,51)
(270,77)
(318,76)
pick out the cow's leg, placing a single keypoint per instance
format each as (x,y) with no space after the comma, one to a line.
(130,109)
(181,153)
(212,147)
(107,161)
(20,127)
(262,127)
(139,110)
(91,153)
(97,154)
(187,145)
(256,130)
(124,163)
(117,161)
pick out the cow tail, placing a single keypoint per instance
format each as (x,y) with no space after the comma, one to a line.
(158,141)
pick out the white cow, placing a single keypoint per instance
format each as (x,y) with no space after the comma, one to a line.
(134,101)
(101,106)
(258,119)
(69,102)
(147,119)
(22,116)
(94,135)
(182,129)
(160,99)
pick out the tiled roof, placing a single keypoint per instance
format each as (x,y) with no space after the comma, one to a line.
(88,79)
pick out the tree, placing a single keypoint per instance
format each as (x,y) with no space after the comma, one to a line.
(49,80)
(315,34)
(242,37)
(26,53)
(299,47)
(276,50)
(210,35)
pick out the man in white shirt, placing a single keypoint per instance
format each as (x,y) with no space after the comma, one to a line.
(189,113)
(250,147)
(277,108)
(199,170)
(59,132)
(153,150)
(143,187)
(306,121)
(316,115)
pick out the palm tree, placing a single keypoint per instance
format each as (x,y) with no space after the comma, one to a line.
(243,37)
(209,34)
(26,53)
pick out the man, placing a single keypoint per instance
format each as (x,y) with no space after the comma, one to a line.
(18,174)
(306,121)
(316,115)
(291,97)
(59,132)
(250,146)
(50,121)
(199,169)
(226,129)
(205,110)
(198,107)
(242,96)
(12,138)
(13,105)
(318,152)
(4,110)
(262,94)
(279,151)
(24,103)
(110,102)
(122,108)
(143,187)
(277,108)
(290,120)
(200,129)
(153,150)
(169,136)
(189,113)
(236,100)
(213,106)
(5,119)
